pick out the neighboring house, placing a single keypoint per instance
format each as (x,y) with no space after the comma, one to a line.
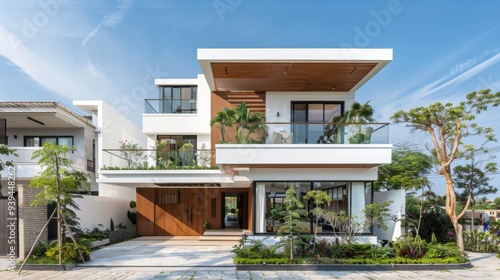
(481,218)
(27,126)
(299,91)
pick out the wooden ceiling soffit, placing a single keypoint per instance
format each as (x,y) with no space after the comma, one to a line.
(338,77)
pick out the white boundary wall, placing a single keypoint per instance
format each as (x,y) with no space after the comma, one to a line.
(96,210)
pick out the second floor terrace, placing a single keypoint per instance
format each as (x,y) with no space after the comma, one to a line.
(362,145)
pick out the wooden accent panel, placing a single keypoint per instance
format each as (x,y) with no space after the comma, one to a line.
(181,212)
(241,76)
(145,211)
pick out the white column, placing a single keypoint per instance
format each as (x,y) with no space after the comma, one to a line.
(357,201)
(260,208)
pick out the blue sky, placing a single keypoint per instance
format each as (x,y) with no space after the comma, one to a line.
(112,50)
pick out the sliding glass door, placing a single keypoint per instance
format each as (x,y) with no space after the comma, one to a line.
(309,118)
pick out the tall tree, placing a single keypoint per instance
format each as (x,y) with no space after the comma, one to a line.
(473,179)
(58,181)
(408,170)
(448,126)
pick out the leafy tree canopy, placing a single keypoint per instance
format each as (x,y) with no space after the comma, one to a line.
(407,171)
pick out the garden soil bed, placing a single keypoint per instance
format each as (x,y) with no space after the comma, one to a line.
(350,267)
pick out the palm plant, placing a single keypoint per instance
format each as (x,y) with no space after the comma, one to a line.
(246,122)
(357,115)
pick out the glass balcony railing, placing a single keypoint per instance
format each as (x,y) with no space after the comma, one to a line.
(25,155)
(143,159)
(304,133)
(170,106)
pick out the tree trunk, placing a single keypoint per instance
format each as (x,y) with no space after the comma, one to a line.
(460,239)
(59,237)
(451,205)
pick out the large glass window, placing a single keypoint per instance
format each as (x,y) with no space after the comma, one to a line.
(270,198)
(178,99)
(350,197)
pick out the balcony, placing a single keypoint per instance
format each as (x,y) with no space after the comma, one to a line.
(319,145)
(304,133)
(152,159)
(170,106)
(26,167)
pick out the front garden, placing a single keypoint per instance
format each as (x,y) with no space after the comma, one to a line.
(309,250)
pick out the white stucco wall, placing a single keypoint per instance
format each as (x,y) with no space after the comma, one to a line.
(313,174)
(96,210)
(111,128)
(109,190)
(397,208)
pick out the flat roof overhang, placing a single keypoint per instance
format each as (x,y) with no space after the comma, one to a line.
(33,114)
(335,70)
(165,178)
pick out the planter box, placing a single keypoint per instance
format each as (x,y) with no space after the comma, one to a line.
(350,267)
(121,235)
(99,243)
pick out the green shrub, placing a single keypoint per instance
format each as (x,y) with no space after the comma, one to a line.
(410,247)
(69,253)
(346,250)
(442,251)
(257,250)
(95,234)
(42,248)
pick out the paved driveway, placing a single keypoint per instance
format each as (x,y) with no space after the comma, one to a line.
(164,252)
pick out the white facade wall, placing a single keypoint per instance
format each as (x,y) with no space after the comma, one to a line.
(111,128)
(313,174)
(183,124)
(197,124)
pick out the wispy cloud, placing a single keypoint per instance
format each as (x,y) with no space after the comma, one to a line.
(112,18)
(458,74)
(65,78)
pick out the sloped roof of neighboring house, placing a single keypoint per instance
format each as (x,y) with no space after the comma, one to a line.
(28,114)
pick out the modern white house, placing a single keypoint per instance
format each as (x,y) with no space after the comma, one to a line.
(189,174)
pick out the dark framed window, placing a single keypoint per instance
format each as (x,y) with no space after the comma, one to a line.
(178,99)
(310,118)
(38,141)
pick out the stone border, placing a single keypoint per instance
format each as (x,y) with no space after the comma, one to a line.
(350,267)
(50,267)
